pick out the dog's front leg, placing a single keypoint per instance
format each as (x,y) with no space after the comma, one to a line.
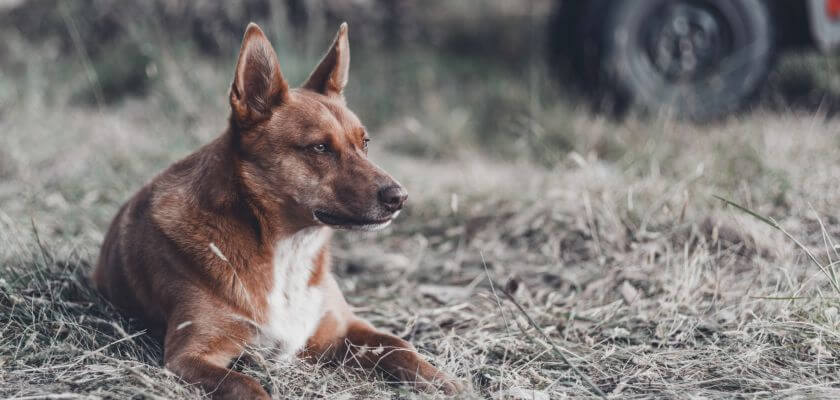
(199,349)
(345,339)
(369,348)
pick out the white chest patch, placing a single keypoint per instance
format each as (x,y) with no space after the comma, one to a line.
(294,307)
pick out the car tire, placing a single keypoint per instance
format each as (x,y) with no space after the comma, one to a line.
(694,59)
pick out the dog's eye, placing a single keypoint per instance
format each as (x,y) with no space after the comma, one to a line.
(319,148)
(365,143)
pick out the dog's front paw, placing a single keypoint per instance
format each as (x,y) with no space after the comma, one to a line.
(451,387)
(441,383)
(240,389)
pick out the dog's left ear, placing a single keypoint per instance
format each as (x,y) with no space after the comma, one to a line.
(330,76)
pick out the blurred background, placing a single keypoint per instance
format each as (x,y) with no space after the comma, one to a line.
(503,75)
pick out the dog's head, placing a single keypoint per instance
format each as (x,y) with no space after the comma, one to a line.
(302,150)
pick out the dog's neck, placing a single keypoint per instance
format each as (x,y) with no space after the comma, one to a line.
(221,189)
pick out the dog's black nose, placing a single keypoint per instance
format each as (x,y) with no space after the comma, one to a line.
(392,197)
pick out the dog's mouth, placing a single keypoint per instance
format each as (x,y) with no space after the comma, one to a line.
(347,222)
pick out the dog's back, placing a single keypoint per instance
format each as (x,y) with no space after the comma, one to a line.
(119,270)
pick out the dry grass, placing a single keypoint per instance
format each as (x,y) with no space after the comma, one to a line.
(645,281)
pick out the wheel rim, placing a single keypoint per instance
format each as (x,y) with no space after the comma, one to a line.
(686,40)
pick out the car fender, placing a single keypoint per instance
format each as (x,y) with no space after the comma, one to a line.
(824,16)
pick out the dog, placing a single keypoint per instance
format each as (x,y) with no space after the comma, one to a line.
(229,247)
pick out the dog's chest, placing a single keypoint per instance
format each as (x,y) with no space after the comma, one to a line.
(294,307)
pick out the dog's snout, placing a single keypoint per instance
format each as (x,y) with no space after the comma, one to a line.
(392,197)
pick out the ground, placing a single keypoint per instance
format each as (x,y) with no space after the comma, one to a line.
(632,268)
(607,232)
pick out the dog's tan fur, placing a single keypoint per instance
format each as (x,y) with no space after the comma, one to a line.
(230,246)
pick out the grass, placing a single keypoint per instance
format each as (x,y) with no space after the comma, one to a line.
(608,235)
(641,278)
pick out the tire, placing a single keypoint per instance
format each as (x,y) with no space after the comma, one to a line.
(694,59)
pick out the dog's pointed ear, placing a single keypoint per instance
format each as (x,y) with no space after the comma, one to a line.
(330,76)
(258,84)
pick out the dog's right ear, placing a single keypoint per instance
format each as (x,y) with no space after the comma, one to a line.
(258,84)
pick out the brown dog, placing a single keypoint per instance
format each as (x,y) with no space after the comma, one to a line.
(229,247)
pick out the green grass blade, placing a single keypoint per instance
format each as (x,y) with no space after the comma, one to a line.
(761,218)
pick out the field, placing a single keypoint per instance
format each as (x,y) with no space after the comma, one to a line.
(607,232)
